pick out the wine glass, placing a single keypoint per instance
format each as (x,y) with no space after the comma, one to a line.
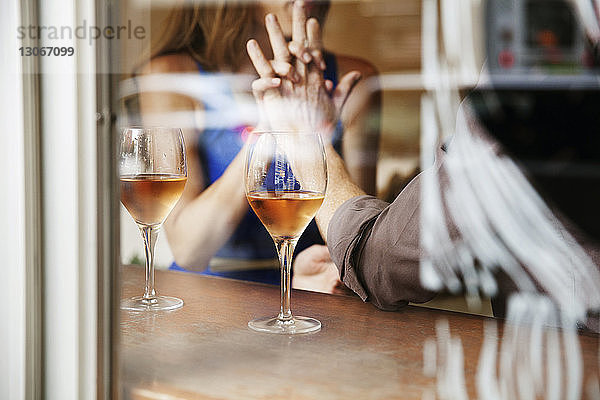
(285,180)
(153,173)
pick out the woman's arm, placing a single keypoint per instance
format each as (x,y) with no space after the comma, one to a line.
(205,217)
(361,120)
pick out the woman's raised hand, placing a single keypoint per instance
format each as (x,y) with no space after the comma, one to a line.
(291,91)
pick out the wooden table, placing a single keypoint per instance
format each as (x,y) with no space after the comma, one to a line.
(206,351)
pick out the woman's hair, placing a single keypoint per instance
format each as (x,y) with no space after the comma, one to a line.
(213,33)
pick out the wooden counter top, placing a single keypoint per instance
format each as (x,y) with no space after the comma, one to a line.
(205,350)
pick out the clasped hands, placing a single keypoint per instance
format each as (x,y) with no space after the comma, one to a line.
(291,91)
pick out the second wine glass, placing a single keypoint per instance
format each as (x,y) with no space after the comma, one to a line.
(285,180)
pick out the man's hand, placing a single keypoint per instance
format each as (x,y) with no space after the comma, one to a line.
(314,270)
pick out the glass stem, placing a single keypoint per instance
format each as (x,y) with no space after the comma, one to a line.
(149,233)
(285,250)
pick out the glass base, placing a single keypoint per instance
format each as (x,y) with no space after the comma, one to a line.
(158,303)
(294,326)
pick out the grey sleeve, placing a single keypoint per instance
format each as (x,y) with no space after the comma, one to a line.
(375,246)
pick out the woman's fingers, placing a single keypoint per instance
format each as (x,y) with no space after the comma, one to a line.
(299,51)
(318,59)
(267,85)
(343,89)
(278,42)
(310,49)
(266,108)
(299,22)
(260,62)
(315,70)
(298,46)
(269,69)
(313,34)
(285,70)
(260,85)
(328,86)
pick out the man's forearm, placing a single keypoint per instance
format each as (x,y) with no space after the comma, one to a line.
(339,189)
